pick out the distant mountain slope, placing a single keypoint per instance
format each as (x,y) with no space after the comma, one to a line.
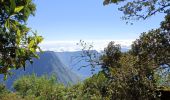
(72,59)
(49,63)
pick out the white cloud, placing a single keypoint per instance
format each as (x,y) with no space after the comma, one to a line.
(98,45)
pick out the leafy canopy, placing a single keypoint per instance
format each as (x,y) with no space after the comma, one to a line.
(140,9)
(154,46)
(17,42)
(138,73)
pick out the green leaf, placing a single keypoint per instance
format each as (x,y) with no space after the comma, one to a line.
(7,24)
(31,43)
(32,50)
(39,39)
(12,6)
(18,9)
(5,76)
(18,37)
(7,9)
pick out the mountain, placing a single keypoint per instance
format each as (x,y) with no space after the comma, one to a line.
(49,63)
(75,62)
(65,65)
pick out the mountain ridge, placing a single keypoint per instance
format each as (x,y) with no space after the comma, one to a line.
(48,64)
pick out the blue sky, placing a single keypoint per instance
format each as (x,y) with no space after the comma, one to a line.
(89,20)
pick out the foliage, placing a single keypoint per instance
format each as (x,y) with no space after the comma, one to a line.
(140,9)
(135,74)
(74,92)
(17,42)
(153,51)
(2,89)
(110,57)
(154,47)
(41,88)
(128,79)
(5,94)
(121,77)
(10,96)
(96,88)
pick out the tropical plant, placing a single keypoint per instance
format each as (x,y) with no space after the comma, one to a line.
(17,43)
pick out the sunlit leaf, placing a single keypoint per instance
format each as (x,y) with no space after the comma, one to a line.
(18,9)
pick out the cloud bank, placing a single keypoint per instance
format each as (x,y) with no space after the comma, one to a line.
(99,45)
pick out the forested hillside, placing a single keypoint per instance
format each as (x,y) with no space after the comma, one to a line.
(139,73)
(49,64)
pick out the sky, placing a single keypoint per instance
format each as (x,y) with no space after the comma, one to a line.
(63,23)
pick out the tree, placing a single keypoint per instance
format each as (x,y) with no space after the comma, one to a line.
(154,46)
(127,78)
(141,9)
(138,72)
(110,57)
(120,77)
(18,43)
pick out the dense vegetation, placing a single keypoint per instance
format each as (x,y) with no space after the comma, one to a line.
(18,43)
(138,74)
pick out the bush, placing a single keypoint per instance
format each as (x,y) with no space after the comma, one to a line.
(41,88)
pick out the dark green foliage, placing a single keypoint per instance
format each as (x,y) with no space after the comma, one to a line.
(154,47)
(3,89)
(7,95)
(110,58)
(16,42)
(128,81)
(132,75)
(122,77)
(111,55)
(141,9)
(96,88)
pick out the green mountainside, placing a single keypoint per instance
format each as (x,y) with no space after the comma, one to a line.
(48,64)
